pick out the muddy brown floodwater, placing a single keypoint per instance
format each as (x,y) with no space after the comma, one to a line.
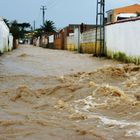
(59,95)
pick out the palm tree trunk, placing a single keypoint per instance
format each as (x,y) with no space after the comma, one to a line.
(15,43)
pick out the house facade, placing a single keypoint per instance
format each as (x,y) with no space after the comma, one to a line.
(59,40)
(123,13)
(67,38)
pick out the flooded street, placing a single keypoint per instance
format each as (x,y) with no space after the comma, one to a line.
(59,95)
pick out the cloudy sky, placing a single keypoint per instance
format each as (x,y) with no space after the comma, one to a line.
(62,12)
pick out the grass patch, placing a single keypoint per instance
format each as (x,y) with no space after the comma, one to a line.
(123,57)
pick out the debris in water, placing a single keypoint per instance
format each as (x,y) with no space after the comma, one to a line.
(23,55)
(78,116)
(61,79)
(92,84)
(81,132)
(106,90)
(137,96)
(24,94)
(60,104)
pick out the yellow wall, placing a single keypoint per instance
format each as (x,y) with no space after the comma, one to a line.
(89,48)
(85,48)
(70,47)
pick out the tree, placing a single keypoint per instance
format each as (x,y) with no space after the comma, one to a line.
(14,29)
(49,27)
(6,22)
(37,32)
(23,27)
(18,29)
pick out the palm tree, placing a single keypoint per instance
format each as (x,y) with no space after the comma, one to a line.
(14,29)
(49,27)
(38,32)
(6,22)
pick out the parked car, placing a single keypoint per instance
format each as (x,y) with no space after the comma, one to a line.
(21,41)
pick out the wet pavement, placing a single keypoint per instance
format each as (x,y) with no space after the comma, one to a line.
(29,60)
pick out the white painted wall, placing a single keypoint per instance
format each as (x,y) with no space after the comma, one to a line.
(38,42)
(126,15)
(70,39)
(74,38)
(51,39)
(89,36)
(124,37)
(4,36)
(10,42)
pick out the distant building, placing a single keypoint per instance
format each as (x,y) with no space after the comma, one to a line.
(60,38)
(123,13)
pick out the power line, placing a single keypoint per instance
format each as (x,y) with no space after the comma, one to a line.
(53,4)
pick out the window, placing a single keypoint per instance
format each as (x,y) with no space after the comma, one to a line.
(110,18)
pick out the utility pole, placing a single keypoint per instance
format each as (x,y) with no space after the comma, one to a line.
(79,39)
(34,25)
(43,8)
(100,28)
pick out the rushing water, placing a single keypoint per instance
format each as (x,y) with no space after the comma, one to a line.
(102,104)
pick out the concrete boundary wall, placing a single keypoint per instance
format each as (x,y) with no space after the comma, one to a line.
(73,40)
(87,42)
(71,43)
(122,41)
(6,39)
(88,36)
(10,42)
(4,36)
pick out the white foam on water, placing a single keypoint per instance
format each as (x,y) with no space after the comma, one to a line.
(133,132)
(108,121)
